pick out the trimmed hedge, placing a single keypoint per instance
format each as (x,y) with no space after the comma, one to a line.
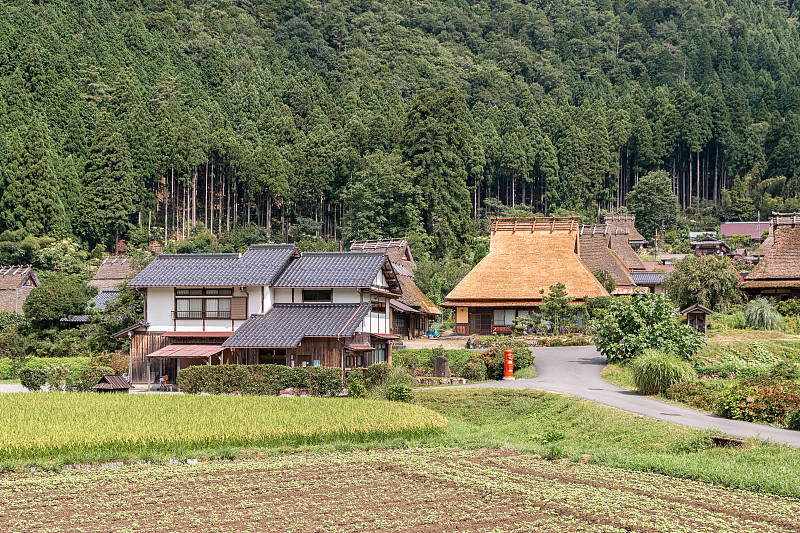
(259,380)
(75,364)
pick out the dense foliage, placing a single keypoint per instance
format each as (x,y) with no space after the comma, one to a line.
(761,314)
(371,119)
(710,281)
(631,326)
(655,371)
(259,379)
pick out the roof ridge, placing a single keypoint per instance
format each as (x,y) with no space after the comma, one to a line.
(199,256)
(272,245)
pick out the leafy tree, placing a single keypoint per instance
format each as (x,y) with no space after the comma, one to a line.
(630,326)
(555,305)
(710,281)
(59,296)
(653,203)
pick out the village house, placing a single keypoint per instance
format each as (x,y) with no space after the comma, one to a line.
(271,304)
(412,312)
(777,274)
(16,283)
(526,256)
(597,255)
(626,240)
(708,245)
(111,273)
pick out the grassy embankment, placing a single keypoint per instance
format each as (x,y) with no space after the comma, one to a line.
(55,429)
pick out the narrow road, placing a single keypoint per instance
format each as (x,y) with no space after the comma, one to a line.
(576,371)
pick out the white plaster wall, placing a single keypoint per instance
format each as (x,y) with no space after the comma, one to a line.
(380,280)
(377,322)
(346,296)
(160,304)
(282,296)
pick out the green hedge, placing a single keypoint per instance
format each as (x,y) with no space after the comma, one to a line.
(75,365)
(259,380)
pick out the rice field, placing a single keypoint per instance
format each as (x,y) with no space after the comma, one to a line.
(417,490)
(86,427)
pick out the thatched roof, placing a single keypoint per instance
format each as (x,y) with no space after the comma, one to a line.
(764,247)
(525,256)
(16,282)
(780,267)
(111,273)
(625,222)
(620,244)
(597,255)
(414,297)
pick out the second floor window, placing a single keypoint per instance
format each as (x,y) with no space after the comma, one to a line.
(202,308)
(317,295)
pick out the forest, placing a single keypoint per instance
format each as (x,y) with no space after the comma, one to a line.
(332,120)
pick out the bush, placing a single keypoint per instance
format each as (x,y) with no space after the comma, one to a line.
(703,395)
(760,314)
(654,371)
(356,388)
(645,321)
(789,307)
(474,370)
(377,375)
(725,322)
(793,420)
(784,369)
(258,379)
(119,362)
(84,381)
(32,378)
(762,400)
(399,393)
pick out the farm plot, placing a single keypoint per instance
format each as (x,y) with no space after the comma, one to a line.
(399,490)
(61,428)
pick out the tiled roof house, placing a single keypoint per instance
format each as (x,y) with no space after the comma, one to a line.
(413,311)
(16,283)
(271,304)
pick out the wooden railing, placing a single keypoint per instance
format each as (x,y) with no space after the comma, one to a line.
(200,315)
(531,224)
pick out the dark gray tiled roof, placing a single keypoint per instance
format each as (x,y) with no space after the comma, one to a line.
(101,300)
(648,278)
(259,265)
(333,269)
(285,325)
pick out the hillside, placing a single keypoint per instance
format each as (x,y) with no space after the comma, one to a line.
(352,119)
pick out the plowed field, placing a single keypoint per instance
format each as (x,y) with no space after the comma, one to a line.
(398,490)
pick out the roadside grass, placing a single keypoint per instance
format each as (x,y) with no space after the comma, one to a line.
(558,426)
(619,375)
(730,336)
(8,381)
(529,372)
(42,429)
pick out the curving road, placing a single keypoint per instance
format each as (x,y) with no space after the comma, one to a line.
(576,371)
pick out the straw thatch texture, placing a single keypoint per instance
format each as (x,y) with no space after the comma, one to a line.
(764,247)
(414,297)
(16,282)
(111,273)
(521,263)
(620,245)
(597,255)
(625,222)
(780,267)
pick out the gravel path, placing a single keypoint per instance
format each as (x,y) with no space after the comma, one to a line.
(576,371)
(12,387)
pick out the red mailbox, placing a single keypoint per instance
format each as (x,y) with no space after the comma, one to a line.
(509,367)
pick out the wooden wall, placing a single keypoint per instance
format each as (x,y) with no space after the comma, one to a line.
(326,350)
(143,343)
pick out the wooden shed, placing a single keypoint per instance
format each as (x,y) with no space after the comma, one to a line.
(526,256)
(113,384)
(697,317)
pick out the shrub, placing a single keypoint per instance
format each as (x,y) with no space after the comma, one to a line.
(700,394)
(784,369)
(654,371)
(399,393)
(725,322)
(377,375)
(793,420)
(760,314)
(32,378)
(84,381)
(789,307)
(119,362)
(644,321)
(5,369)
(356,388)
(760,400)
(474,370)
(258,379)
(59,377)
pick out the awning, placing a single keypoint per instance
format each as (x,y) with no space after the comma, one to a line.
(400,306)
(624,290)
(187,350)
(199,334)
(359,348)
(386,336)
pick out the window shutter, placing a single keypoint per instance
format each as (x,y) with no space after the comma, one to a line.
(239,308)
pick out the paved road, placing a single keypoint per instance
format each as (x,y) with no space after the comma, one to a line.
(576,371)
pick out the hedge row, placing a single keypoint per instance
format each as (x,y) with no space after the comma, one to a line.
(75,364)
(259,380)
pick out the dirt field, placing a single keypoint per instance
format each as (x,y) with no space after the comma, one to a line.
(399,490)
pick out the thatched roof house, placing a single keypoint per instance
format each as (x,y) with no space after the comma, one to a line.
(778,272)
(597,255)
(413,311)
(626,223)
(16,283)
(526,255)
(111,273)
(764,247)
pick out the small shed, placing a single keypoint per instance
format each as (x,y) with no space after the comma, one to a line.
(113,384)
(697,317)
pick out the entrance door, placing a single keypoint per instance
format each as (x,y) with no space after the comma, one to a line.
(480,323)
